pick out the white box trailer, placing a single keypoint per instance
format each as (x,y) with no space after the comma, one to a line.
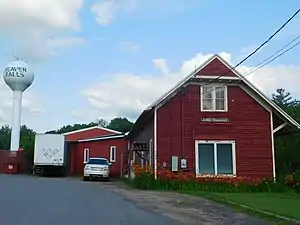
(49,154)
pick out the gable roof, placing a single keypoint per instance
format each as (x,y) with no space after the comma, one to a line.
(194,73)
(104,137)
(91,128)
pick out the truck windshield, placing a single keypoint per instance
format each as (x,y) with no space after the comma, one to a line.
(98,161)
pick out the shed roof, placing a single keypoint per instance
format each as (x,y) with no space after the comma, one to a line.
(91,128)
(104,137)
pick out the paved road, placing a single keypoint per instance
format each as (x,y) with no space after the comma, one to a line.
(29,200)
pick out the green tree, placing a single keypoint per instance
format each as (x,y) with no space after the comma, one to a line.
(285,100)
(5,137)
(120,124)
(287,147)
(101,123)
(27,137)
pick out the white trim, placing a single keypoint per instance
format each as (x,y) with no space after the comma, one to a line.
(150,152)
(102,138)
(279,128)
(215,77)
(112,152)
(271,103)
(86,154)
(241,77)
(91,128)
(133,157)
(214,98)
(155,143)
(273,146)
(215,142)
(142,160)
(250,93)
(180,83)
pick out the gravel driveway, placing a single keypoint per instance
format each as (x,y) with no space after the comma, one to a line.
(185,209)
(27,200)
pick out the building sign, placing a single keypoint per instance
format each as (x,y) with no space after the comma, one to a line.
(15,71)
(215,120)
(140,147)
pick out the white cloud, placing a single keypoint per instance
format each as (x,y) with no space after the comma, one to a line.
(36,14)
(33,27)
(44,47)
(106,11)
(128,46)
(127,94)
(34,30)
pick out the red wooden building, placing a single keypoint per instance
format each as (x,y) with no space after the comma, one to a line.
(213,121)
(95,142)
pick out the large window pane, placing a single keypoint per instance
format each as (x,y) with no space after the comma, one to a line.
(207,92)
(220,104)
(224,159)
(220,92)
(207,104)
(206,158)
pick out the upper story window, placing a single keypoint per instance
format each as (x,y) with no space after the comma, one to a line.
(213,98)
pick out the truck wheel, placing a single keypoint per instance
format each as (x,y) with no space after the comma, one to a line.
(84,178)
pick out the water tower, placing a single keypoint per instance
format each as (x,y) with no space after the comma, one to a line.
(18,77)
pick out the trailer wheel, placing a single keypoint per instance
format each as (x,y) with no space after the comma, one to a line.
(41,172)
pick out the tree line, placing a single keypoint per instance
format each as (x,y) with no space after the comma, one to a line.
(287,148)
(27,134)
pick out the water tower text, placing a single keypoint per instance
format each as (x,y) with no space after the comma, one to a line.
(15,71)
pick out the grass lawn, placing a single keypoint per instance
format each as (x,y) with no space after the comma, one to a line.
(283,204)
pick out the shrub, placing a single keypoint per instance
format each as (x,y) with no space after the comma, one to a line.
(167,180)
(293,180)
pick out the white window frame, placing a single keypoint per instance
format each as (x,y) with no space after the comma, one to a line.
(215,157)
(86,154)
(214,86)
(112,149)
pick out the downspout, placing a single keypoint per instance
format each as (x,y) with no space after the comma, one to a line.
(182,127)
(155,143)
(273,146)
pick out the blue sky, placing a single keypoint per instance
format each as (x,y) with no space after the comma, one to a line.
(101,59)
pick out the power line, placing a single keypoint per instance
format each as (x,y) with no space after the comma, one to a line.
(258,48)
(286,45)
(265,62)
(268,60)
(271,60)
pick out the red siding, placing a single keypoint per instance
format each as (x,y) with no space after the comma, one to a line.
(93,133)
(216,68)
(178,126)
(99,148)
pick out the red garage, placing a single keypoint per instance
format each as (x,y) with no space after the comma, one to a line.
(95,142)
(215,122)
(111,147)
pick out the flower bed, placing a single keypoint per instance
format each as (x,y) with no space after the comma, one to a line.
(186,181)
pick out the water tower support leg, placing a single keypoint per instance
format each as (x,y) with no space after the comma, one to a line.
(16,121)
